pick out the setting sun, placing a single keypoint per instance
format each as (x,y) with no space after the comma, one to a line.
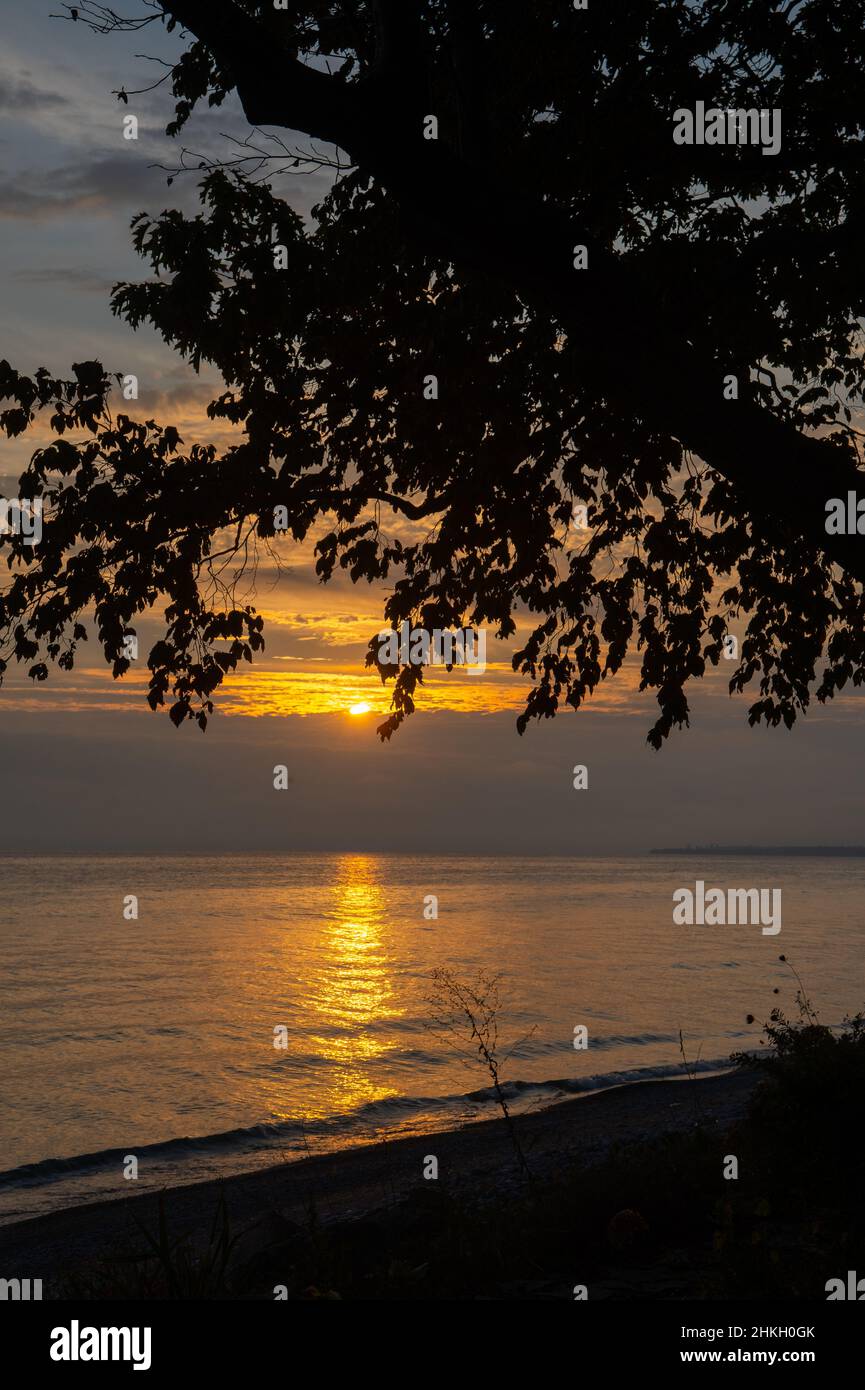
(362,708)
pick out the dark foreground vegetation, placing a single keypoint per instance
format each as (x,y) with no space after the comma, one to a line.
(656,1219)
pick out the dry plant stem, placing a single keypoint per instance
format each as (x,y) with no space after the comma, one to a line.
(454,1001)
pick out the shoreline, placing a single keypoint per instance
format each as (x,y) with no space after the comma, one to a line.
(475,1161)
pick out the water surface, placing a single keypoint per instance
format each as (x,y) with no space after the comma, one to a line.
(130,1037)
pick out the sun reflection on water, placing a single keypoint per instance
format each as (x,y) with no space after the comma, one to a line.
(353,996)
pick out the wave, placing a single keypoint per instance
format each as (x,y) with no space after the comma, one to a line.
(439,1112)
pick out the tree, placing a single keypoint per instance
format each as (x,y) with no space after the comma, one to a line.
(454,256)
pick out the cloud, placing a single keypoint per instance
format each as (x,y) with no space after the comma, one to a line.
(187,394)
(449,782)
(68,277)
(19,97)
(101,185)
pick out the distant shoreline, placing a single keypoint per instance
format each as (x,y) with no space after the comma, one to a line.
(780,851)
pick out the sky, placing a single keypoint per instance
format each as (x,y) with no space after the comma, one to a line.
(87,767)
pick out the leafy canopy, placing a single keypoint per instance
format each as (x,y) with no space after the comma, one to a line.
(462,505)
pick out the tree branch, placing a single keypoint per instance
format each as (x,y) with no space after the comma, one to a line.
(414,511)
(399,37)
(454,209)
(273,87)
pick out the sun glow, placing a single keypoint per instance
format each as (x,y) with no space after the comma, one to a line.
(362,708)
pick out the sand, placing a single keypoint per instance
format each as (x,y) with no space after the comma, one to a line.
(476,1160)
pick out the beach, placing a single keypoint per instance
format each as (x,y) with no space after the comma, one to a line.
(268,1006)
(476,1164)
(262,1057)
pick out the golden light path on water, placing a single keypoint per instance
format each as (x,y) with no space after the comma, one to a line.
(353,998)
(168,1032)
